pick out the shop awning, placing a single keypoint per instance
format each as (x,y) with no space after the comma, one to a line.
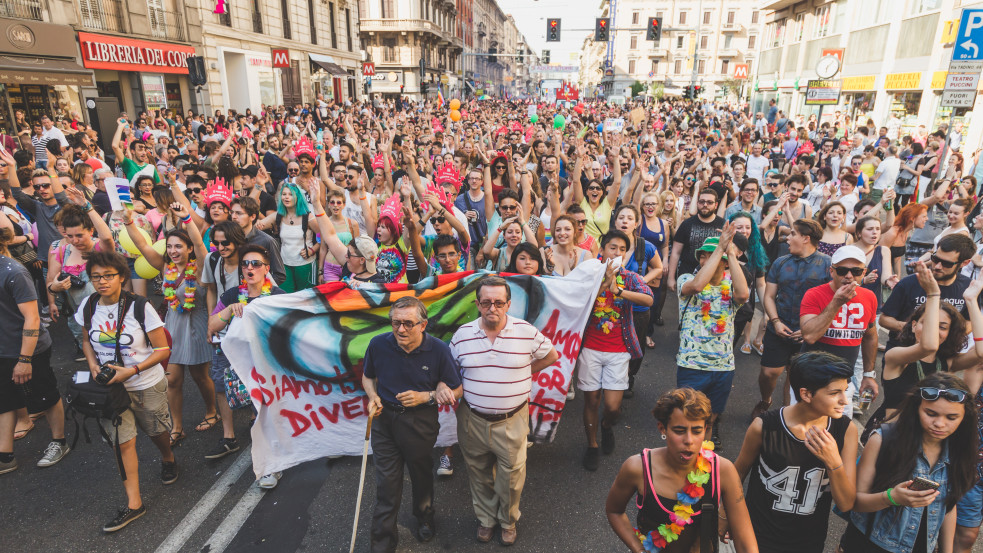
(326,63)
(43,71)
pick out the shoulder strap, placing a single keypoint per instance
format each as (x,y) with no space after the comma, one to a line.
(140,314)
(640,254)
(89,310)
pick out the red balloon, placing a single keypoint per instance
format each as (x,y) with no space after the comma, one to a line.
(579,109)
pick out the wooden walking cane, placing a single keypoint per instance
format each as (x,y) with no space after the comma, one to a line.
(361,481)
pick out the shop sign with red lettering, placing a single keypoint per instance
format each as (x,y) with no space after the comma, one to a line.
(128,54)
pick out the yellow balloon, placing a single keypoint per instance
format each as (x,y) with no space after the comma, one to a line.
(128,245)
(144,269)
(455,115)
(455,104)
(160,246)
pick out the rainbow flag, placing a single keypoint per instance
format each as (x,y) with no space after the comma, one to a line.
(440,97)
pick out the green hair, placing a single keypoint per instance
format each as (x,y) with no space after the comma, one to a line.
(301,207)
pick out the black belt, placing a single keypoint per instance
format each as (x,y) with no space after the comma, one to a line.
(499,417)
(400,408)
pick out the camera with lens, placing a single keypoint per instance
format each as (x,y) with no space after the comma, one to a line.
(75,282)
(106,373)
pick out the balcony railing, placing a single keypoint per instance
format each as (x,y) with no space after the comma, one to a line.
(732,27)
(103,15)
(24,9)
(400,25)
(167,25)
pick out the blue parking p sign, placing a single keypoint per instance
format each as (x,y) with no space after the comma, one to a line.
(969,40)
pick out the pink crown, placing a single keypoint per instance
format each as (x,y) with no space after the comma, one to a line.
(217,191)
(441,197)
(448,173)
(377,162)
(392,210)
(304,146)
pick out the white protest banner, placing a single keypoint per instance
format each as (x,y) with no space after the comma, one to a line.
(300,356)
(118,191)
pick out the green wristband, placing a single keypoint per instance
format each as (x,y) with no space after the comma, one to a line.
(891,499)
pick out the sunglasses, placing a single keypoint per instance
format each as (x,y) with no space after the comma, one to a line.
(581,222)
(929,393)
(438,219)
(225,243)
(194,190)
(508,207)
(943,262)
(293,171)
(251,263)
(855,271)
(38,186)
(594,188)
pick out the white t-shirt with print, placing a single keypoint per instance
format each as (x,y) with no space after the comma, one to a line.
(134,348)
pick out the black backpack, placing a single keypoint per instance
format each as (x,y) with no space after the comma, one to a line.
(97,401)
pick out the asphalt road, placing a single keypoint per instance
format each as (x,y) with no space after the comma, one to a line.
(215,506)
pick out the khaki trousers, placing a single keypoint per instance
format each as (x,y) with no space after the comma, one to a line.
(495,454)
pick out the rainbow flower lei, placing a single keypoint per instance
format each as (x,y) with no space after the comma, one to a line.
(718,325)
(682,513)
(244,290)
(605,308)
(170,286)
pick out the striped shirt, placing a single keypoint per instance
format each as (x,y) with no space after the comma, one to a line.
(40,147)
(497,377)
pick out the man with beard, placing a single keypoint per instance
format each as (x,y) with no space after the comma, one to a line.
(797,208)
(952,254)
(139,165)
(692,233)
(50,197)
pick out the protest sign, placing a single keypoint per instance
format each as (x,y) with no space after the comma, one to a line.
(118,191)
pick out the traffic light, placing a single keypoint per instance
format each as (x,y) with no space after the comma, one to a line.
(546,57)
(552,30)
(601,29)
(696,91)
(654,31)
(686,92)
(423,88)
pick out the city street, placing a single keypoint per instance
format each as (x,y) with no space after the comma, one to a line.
(215,506)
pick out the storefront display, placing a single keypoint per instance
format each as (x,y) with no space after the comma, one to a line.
(153,92)
(905,106)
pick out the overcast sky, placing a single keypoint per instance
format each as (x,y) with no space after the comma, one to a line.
(531,15)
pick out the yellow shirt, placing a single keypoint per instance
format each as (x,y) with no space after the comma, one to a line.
(598,220)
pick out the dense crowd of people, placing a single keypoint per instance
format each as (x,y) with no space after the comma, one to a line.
(790,238)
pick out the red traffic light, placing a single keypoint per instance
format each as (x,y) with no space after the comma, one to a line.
(603,22)
(553,23)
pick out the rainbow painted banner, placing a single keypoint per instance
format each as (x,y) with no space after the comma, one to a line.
(300,356)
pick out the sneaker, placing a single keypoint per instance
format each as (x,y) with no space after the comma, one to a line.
(79,358)
(270,481)
(168,472)
(124,517)
(571,393)
(592,458)
(607,440)
(445,468)
(225,447)
(54,453)
(8,467)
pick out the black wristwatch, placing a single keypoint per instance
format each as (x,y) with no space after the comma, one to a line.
(433,399)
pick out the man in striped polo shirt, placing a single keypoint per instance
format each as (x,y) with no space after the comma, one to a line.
(498,355)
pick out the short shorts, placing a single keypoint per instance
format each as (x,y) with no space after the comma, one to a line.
(602,370)
(217,371)
(715,385)
(39,394)
(148,410)
(777,351)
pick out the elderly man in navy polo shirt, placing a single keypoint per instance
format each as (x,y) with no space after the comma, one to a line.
(407,373)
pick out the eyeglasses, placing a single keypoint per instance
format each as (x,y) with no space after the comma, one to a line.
(930,393)
(100,278)
(408,325)
(446,256)
(194,191)
(251,263)
(486,304)
(222,242)
(855,271)
(350,255)
(650,205)
(943,262)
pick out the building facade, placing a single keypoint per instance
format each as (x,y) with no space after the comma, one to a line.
(125,56)
(323,52)
(415,45)
(902,77)
(701,43)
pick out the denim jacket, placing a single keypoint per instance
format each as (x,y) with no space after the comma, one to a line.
(896,528)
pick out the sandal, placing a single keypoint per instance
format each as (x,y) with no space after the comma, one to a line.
(746,348)
(176,438)
(759,348)
(208,422)
(649,342)
(18,434)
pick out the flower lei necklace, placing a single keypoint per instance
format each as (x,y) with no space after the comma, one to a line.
(170,286)
(605,308)
(719,325)
(682,513)
(244,290)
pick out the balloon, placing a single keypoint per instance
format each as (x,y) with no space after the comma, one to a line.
(144,269)
(579,108)
(455,115)
(160,246)
(559,121)
(128,245)
(533,118)
(455,104)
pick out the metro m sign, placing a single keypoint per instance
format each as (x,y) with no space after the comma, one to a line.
(740,71)
(368,69)
(281,57)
